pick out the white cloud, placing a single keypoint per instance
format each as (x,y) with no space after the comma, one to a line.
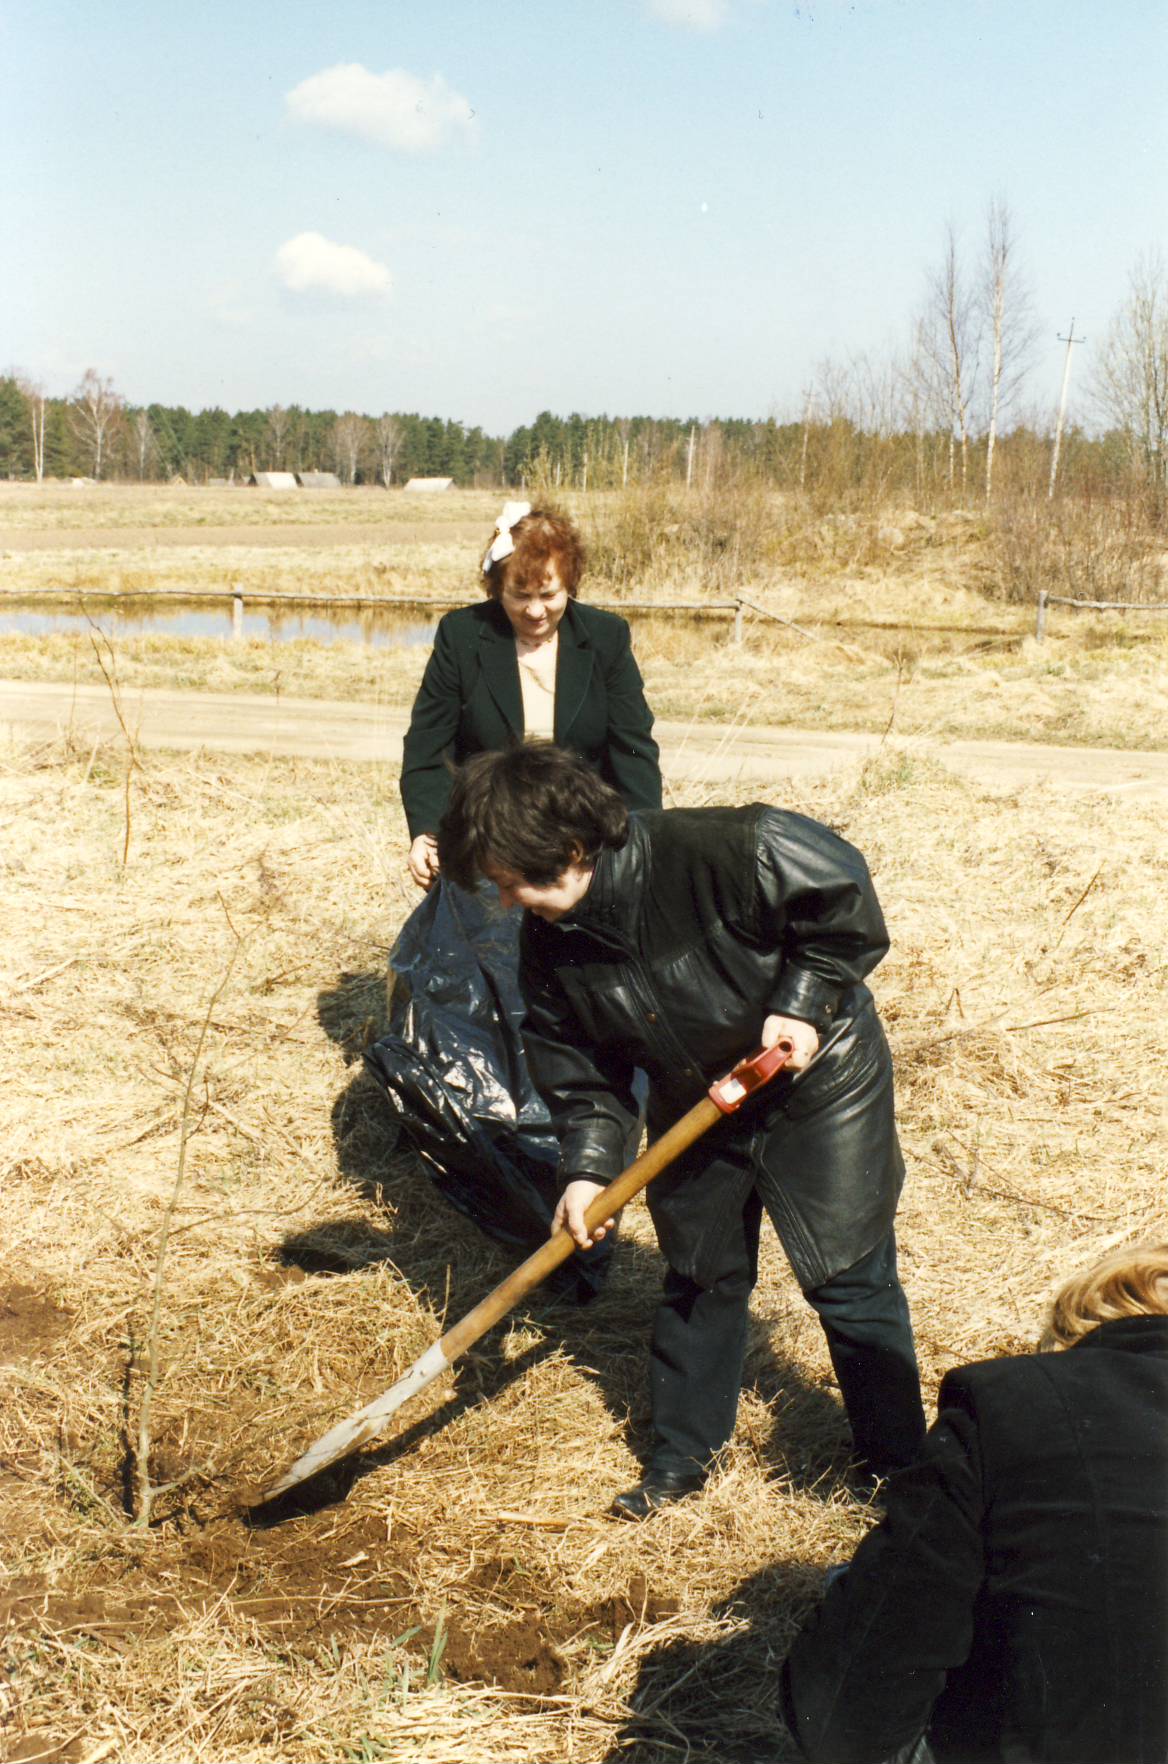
(310,263)
(393,109)
(692,15)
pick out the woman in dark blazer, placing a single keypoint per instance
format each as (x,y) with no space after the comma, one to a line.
(1013,1603)
(528,661)
(530,650)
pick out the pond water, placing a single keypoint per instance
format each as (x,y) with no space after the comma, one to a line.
(388,627)
(377,627)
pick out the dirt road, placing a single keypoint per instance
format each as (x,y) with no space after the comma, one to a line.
(298,535)
(691,752)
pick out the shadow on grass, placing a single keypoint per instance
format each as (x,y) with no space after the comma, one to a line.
(450,1264)
(718,1702)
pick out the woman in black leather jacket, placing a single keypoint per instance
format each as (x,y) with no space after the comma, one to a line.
(676,942)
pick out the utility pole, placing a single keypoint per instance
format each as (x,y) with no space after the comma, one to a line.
(1070,340)
(808,405)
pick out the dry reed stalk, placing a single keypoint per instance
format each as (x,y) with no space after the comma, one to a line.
(109,671)
(146,1491)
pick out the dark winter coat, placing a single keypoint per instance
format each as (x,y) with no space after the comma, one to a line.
(1020,1576)
(706,922)
(470,701)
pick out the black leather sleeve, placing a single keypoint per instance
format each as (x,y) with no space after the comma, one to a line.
(588,1091)
(816,887)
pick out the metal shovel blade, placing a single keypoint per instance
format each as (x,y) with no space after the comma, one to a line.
(367,1424)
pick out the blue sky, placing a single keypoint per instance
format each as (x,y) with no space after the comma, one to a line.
(483,208)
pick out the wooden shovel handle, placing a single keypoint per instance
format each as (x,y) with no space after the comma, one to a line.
(371,1421)
(722,1098)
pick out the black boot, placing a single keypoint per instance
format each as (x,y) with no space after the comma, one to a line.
(657,1489)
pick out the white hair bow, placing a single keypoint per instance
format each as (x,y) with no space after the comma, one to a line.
(502,545)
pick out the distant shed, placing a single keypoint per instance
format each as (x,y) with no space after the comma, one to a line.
(318,480)
(430,484)
(274,480)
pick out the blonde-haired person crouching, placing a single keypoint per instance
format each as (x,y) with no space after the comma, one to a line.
(1013,1603)
(1130,1282)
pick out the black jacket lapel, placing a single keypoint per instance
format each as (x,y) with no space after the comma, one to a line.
(500,669)
(574,664)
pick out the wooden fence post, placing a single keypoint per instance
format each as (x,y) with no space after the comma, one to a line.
(237,612)
(738,621)
(1040,621)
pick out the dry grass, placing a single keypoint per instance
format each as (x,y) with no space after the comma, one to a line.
(335,564)
(657,540)
(1079,686)
(909,629)
(463,1596)
(28,509)
(137,539)
(1090,682)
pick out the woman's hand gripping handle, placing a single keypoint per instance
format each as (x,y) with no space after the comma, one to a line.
(727,1095)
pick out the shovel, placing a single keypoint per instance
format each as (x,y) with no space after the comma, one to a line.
(722,1098)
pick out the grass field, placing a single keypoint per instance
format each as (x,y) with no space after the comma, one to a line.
(1070,689)
(463,1596)
(31,509)
(893,632)
(195,956)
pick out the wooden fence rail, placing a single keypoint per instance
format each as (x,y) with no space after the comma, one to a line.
(1045,600)
(738,607)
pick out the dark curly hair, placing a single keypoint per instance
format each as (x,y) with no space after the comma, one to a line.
(533,809)
(540,538)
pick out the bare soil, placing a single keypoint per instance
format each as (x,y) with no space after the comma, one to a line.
(29,1323)
(302,1590)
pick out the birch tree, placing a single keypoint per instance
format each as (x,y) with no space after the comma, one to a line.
(36,401)
(278,429)
(95,410)
(1008,319)
(388,433)
(624,429)
(348,445)
(947,346)
(1130,380)
(144,443)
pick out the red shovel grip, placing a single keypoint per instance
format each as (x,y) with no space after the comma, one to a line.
(730,1092)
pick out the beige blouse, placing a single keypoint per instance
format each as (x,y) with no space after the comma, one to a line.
(537,682)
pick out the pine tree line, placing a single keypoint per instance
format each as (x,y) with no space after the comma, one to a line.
(941,420)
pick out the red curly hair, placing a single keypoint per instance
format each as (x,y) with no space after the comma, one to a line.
(540,538)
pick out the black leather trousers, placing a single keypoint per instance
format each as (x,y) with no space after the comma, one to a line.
(699,1343)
